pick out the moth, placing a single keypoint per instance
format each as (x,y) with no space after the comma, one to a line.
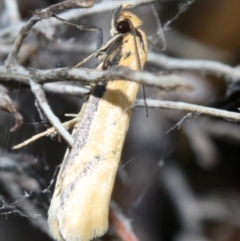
(80,204)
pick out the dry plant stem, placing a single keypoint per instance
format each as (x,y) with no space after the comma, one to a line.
(40,96)
(48,132)
(63,6)
(228,115)
(12,57)
(71,14)
(46,13)
(99,8)
(89,76)
(64,88)
(205,66)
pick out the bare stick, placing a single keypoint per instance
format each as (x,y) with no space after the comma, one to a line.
(89,76)
(71,15)
(66,5)
(205,66)
(228,115)
(42,101)
(48,132)
(12,57)
(100,8)
(65,88)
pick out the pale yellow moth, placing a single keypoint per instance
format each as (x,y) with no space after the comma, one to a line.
(80,205)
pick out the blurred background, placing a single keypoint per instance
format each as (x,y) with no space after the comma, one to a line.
(179,176)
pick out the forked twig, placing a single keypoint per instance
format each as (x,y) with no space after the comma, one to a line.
(39,15)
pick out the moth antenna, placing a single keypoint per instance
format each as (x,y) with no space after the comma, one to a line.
(139,63)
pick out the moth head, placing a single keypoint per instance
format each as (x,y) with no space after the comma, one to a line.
(123,21)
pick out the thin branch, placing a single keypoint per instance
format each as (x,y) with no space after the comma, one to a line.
(205,66)
(63,6)
(40,96)
(25,30)
(70,15)
(228,115)
(43,14)
(48,132)
(101,7)
(65,88)
(88,76)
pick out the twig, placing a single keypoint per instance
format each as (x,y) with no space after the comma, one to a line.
(40,96)
(63,6)
(71,15)
(205,66)
(48,132)
(43,14)
(12,57)
(65,88)
(228,115)
(87,76)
